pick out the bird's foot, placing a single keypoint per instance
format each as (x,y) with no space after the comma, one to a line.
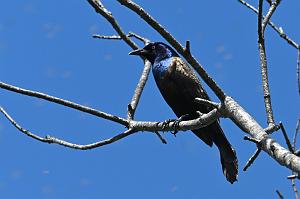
(167,122)
(176,123)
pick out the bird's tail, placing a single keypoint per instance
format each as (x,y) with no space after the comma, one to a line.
(230,168)
(227,153)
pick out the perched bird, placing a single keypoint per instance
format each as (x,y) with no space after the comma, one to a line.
(179,86)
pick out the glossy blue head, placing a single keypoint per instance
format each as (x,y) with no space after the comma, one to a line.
(155,52)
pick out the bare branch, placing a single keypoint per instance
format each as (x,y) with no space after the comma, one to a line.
(298,69)
(293,180)
(287,140)
(64,103)
(294,186)
(290,177)
(142,39)
(115,138)
(271,11)
(160,137)
(187,47)
(138,91)
(267,144)
(99,8)
(53,140)
(268,130)
(202,121)
(279,194)
(208,103)
(252,159)
(118,37)
(296,134)
(271,129)
(112,37)
(279,30)
(250,139)
(26,132)
(263,63)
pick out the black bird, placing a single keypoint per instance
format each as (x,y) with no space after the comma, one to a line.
(179,85)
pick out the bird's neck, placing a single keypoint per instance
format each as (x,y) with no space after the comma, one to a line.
(160,67)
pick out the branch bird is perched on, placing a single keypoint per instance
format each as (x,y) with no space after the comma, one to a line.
(179,86)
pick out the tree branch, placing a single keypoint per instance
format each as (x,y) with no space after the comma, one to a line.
(118,37)
(271,11)
(99,8)
(287,140)
(280,31)
(65,103)
(252,159)
(279,194)
(293,180)
(138,91)
(298,70)
(269,130)
(53,140)
(263,61)
(267,144)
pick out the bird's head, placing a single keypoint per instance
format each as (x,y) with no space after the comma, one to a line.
(155,52)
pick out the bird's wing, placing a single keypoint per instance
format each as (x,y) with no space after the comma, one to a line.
(188,83)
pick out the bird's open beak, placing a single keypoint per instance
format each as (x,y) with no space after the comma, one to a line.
(140,51)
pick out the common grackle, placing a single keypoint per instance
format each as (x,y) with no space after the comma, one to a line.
(179,85)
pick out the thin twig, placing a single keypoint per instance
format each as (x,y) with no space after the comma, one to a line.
(286,137)
(294,186)
(269,2)
(268,130)
(252,159)
(142,39)
(263,64)
(293,176)
(279,30)
(112,37)
(53,140)
(279,194)
(296,134)
(298,69)
(208,103)
(160,137)
(271,129)
(251,139)
(293,180)
(271,11)
(188,47)
(99,8)
(118,37)
(115,138)
(138,90)
(64,103)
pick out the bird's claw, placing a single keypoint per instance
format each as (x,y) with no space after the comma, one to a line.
(167,122)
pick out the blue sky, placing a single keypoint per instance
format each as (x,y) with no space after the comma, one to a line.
(47,46)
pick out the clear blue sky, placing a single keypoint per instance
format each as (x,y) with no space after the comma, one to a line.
(47,46)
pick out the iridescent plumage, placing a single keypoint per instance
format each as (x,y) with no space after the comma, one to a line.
(179,85)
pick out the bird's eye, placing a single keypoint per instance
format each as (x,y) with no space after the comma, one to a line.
(153,47)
